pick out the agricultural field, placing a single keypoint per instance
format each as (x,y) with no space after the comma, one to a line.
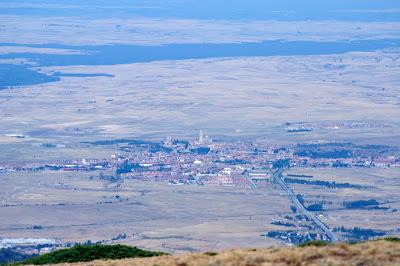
(76,207)
(375,205)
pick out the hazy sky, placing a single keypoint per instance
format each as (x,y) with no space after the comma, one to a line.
(361,10)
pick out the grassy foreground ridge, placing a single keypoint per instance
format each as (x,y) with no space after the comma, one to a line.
(370,253)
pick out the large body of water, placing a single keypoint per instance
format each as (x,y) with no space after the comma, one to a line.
(122,54)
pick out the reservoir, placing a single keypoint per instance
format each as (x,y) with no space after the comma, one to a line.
(124,54)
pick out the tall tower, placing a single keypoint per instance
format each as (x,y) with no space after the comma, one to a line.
(201,136)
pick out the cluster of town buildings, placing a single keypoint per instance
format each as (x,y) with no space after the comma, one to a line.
(203,161)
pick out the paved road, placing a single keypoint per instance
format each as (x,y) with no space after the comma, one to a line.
(300,207)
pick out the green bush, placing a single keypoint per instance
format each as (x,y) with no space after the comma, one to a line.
(392,239)
(314,243)
(84,253)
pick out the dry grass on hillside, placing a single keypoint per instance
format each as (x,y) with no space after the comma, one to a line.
(369,253)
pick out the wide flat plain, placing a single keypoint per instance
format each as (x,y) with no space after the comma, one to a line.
(229,96)
(159,216)
(350,97)
(73,207)
(82,30)
(382,185)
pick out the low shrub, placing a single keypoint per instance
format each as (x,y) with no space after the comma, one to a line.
(84,253)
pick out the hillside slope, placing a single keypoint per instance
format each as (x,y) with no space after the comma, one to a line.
(380,252)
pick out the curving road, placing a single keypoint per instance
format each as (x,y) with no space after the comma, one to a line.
(292,196)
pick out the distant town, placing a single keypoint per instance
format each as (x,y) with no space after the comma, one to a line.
(203,161)
(241,163)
